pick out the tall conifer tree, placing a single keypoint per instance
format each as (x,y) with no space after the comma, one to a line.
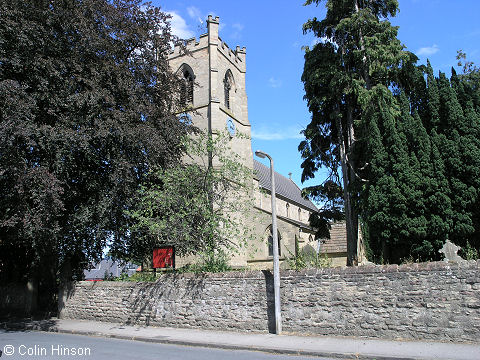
(458,152)
(355,62)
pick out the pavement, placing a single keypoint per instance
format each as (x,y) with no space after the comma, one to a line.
(321,346)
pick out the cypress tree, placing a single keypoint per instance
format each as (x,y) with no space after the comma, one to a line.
(457,150)
(433,100)
(426,210)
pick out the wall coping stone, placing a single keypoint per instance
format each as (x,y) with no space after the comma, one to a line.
(308,273)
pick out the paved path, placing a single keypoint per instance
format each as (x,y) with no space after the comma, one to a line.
(339,347)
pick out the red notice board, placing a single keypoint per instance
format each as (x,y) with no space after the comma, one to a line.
(163,257)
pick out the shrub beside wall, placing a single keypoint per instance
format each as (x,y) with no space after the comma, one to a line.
(437,301)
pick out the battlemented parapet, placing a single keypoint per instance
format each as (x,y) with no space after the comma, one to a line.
(237,57)
(191,45)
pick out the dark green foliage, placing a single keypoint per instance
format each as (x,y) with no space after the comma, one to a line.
(330,194)
(423,177)
(198,208)
(355,63)
(209,262)
(407,142)
(85,102)
(459,135)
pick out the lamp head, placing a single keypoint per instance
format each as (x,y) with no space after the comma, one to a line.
(260,154)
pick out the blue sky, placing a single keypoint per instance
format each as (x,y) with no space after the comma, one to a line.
(272,34)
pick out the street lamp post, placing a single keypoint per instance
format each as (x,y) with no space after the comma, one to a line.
(276,262)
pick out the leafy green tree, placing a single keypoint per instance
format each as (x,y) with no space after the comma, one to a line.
(355,63)
(86,98)
(201,206)
(468,67)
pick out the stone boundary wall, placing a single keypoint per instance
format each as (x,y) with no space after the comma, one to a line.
(437,301)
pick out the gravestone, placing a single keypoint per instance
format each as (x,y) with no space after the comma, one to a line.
(449,250)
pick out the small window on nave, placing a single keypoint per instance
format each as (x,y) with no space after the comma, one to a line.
(270,241)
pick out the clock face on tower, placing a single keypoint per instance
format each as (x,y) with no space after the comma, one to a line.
(231,127)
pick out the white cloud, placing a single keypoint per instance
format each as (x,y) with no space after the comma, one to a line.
(276,135)
(429,50)
(274,83)
(238,27)
(195,13)
(179,26)
(237,30)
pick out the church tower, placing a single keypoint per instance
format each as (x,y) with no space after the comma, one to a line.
(214,87)
(213,95)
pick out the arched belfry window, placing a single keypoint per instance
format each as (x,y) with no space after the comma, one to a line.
(270,241)
(228,86)
(186,87)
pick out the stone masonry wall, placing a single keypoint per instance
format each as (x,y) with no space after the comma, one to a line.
(418,301)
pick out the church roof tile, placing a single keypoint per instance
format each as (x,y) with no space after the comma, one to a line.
(283,186)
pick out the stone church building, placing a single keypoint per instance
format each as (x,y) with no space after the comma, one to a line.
(214,90)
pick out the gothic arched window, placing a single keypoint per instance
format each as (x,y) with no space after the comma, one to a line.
(228,85)
(186,87)
(270,241)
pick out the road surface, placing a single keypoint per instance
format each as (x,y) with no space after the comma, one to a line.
(41,345)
